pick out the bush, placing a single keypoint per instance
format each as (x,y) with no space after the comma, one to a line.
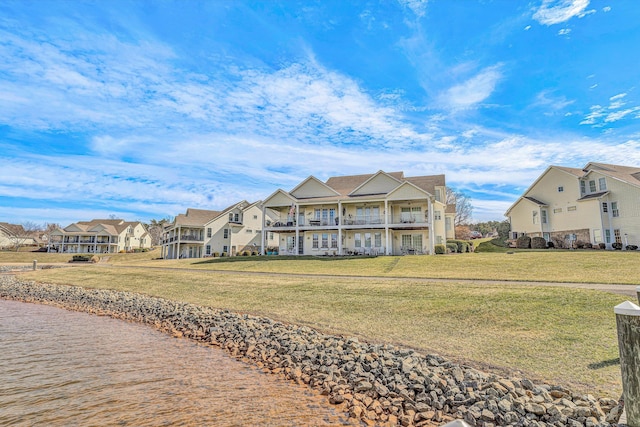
(550,244)
(223,254)
(538,243)
(462,246)
(216,254)
(617,246)
(440,249)
(452,247)
(95,259)
(245,253)
(588,245)
(81,258)
(602,245)
(523,242)
(632,247)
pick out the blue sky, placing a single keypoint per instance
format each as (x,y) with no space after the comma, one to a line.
(141,109)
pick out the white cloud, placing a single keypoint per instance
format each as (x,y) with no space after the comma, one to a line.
(606,9)
(564,32)
(527,28)
(419,7)
(600,116)
(473,91)
(557,11)
(546,98)
(618,96)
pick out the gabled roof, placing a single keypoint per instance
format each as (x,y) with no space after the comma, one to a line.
(628,174)
(344,185)
(312,181)
(112,227)
(195,217)
(389,181)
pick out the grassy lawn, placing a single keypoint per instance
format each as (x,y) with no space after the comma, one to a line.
(564,336)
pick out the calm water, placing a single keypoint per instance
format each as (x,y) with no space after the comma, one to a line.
(62,368)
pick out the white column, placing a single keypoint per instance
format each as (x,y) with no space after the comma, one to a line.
(432,237)
(263,238)
(340,221)
(388,245)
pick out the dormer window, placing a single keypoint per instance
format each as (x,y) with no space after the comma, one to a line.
(592,186)
(602,184)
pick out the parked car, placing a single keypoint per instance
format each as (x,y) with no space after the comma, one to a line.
(475,235)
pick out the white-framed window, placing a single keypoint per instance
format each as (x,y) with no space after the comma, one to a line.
(447,223)
(208,250)
(602,184)
(543,215)
(225,248)
(367,240)
(614,209)
(357,240)
(605,207)
(560,189)
(255,217)
(572,208)
(208,231)
(583,187)
(557,210)
(325,240)
(437,215)
(249,231)
(270,235)
(315,241)
(438,195)
(535,217)
(592,186)
(225,233)
(334,240)
(406,241)
(607,236)
(377,240)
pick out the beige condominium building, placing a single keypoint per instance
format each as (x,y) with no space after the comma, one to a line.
(100,236)
(599,203)
(233,231)
(375,214)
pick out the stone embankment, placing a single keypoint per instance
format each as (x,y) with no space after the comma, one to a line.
(377,384)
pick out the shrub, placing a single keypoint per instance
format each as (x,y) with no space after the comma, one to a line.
(617,246)
(462,246)
(216,254)
(452,247)
(254,253)
(223,254)
(95,259)
(632,247)
(523,242)
(588,245)
(602,245)
(538,243)
(245,253)
(81,258)
(440,249)
(550,244)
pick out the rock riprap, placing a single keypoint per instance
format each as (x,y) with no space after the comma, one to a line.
(377,384)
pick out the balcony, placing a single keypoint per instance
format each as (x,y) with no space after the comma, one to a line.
(191,238)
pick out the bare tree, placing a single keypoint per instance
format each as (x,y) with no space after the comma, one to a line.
(155,228)
(464,210)
(19,235)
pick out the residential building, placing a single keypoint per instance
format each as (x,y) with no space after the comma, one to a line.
(380,213)
(238,229)
(599,203)
(12,235)
(100,236)
(202,233)
(184,237)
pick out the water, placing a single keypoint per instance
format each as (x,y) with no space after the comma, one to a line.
(63,368)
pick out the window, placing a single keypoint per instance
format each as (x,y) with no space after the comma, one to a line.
(617,236)
(325,240)
(543,216)
(557,210)
(255,217)
(605,207)
(571,208)
(377,240)
(614,209)
(225,248)
(583,187)
(437,215)
(270,235)
(535,217)
(367,240)
(438,195)
(334,240)
(225,233)
(602,183)
(249,231)
(314,241)
(406,241)
(208,250)
(607,236)
(447,223)
(209,232)
(357,240)
(439,240)
(592,186)
(560,189)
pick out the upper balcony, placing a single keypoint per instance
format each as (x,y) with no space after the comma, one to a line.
(403,220)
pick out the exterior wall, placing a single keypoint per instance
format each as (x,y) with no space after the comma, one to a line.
(627,198)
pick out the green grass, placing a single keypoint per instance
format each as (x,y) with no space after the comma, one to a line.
(561,335)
